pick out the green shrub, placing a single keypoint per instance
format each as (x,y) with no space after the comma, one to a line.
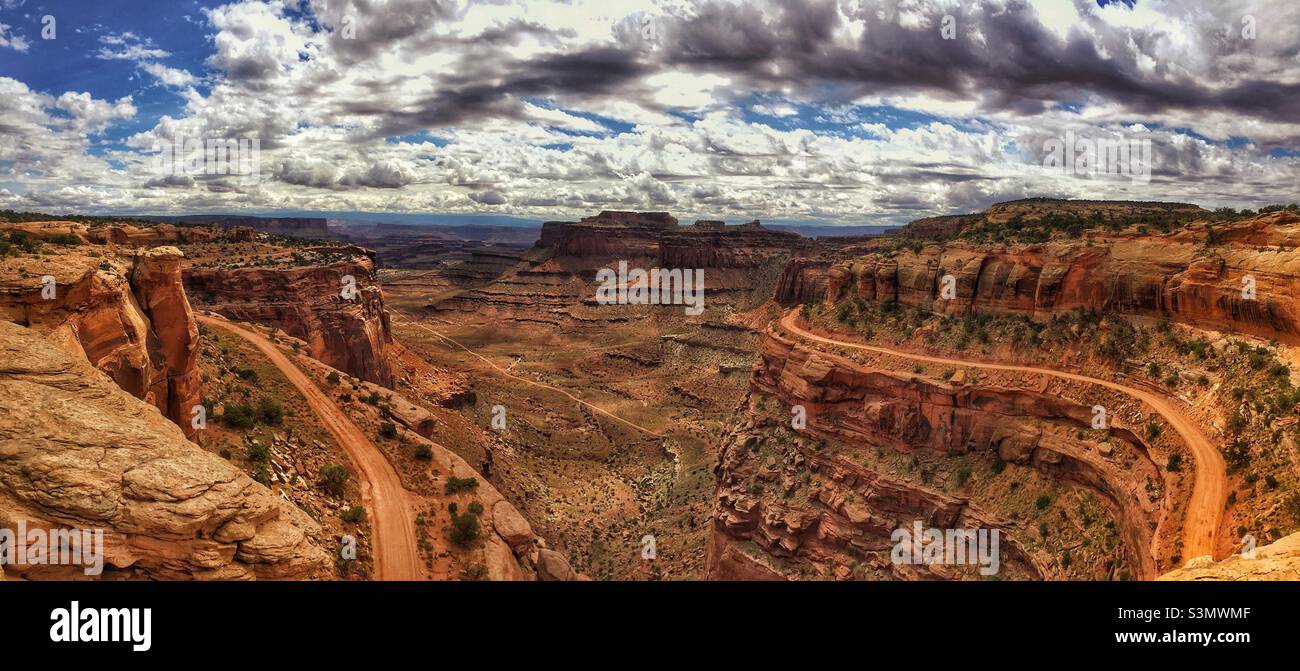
(464,526)
(270,411)
(354,515)
(1042,502)
(239,416)
(388,430)
(456,485)
(333,377)
(332,478)
(423,452)
(259,453)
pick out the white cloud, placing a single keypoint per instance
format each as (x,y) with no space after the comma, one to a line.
(12,41)
(501,99)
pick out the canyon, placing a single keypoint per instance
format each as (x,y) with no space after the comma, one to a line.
(929,371)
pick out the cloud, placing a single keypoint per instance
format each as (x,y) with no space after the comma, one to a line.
(128,46)
(488,198)
(844,110)
(12,41)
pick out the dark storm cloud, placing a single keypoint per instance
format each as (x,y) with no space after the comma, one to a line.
(465,98)
(363,28)
(1020,65)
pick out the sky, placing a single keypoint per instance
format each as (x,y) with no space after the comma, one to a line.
(836,111)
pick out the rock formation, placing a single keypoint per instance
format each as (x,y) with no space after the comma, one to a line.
(307,303)
(1279,560)
(861,407)
(76,451)
(129,318)
(656,235)
(1177,275)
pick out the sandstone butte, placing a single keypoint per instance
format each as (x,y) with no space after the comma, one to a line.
(658,237)
(77,451)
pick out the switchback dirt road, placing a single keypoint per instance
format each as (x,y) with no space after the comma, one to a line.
(382,493)
(1209,490)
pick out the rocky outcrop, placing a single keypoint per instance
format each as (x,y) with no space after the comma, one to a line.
(128,318)
(162,234)
(1175,275)
(1279,560)
(656,235)
(854,508)
(307,302)
(1036,208)
(744,246)
(298,227)
(608,234)
(76,451)
(802,281)
(49,231)
(174,338)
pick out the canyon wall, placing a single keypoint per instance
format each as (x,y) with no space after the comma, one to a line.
(1175,275)
(306,302)
(850,513)
(76,451)
(127,316)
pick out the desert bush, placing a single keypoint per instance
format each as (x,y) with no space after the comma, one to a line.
(354,515)
(456,485)
(270,411)
(332,478)
(239,416)
(464,526)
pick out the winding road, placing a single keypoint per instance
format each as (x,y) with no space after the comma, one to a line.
(1209,489)
(382,493)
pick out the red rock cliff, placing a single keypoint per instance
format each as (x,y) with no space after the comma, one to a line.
(130,319)
(1176,275)
(307,303)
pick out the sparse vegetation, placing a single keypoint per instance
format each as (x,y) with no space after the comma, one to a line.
(333,478)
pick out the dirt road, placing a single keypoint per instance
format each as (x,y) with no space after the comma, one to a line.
(382,493)
(540,385)
(1209,490)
